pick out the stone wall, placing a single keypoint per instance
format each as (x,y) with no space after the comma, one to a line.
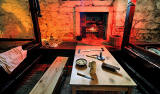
(146,23)
(58,17)
(59,20)
(55,21)
(15,19)
(120,7)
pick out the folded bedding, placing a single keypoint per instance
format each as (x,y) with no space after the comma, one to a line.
(10,59)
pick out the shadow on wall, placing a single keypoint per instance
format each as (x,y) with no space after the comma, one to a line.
(10,25)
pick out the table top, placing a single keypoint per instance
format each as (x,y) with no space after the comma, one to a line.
(103,77)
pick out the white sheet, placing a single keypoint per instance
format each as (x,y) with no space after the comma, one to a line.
(9,60)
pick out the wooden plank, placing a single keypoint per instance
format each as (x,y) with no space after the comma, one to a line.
(100,88)
(129,90)
(50,78)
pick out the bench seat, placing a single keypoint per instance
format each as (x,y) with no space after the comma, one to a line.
(48,81)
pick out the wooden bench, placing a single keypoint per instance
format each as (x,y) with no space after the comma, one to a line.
(48,81)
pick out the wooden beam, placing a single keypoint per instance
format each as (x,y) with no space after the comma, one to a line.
(128,24)
(50,78)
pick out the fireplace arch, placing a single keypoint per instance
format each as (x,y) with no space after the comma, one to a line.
(80,9)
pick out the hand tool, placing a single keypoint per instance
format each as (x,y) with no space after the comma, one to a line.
(85,76)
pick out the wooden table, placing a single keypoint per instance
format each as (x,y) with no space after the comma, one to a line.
(104,80)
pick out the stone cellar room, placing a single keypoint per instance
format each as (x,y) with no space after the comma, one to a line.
(79,46)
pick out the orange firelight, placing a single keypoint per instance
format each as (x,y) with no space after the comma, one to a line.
(92,29)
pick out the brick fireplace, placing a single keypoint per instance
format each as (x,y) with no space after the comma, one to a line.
(93,24)
(90,19)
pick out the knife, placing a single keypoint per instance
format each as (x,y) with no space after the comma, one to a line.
(85,76)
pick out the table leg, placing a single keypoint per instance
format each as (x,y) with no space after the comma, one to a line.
(73,90)
(129,90)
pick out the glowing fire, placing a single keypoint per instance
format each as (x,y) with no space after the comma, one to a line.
(93,28)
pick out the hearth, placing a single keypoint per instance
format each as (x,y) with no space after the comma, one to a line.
(93,24)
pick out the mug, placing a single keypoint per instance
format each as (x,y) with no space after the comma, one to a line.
(92,66)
